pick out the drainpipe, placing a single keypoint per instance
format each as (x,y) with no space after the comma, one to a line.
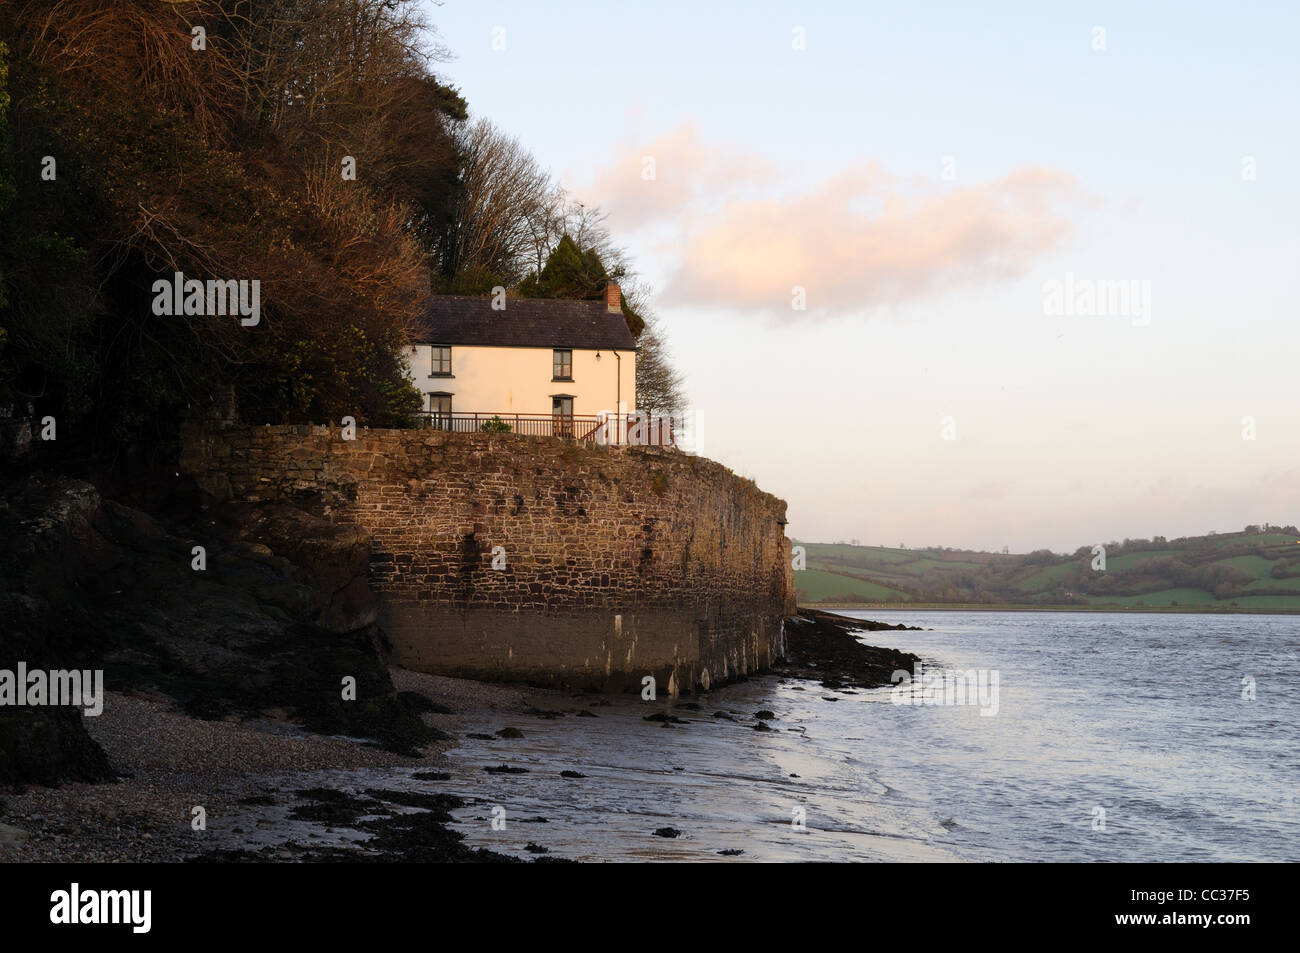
(618,393)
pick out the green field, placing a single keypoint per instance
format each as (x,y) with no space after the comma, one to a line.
(1266,539)
(1270,603)
(1290,582)
(1043,579)
(1222,571)
(1255,565)
(1129,560)
(877,553)
(815,585)
(1165,597)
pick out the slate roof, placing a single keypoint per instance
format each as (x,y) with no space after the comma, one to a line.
(525,322)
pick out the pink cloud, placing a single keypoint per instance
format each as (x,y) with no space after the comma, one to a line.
(686,172)
(860,240)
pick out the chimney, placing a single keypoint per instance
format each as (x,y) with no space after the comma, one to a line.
(613,298)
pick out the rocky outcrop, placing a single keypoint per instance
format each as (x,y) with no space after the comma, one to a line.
(273,619)
(331,559)
(822,646)
(46,527)
(48,746)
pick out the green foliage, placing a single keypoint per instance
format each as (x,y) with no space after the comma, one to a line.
(447,100)
(570,272)
(495,425)
(473,280)
(635,323)
(328,376)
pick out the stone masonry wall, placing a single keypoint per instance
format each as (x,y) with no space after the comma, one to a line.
(619,562)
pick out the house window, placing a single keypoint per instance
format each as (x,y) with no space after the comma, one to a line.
(440,362)
(440,411)
(562,366)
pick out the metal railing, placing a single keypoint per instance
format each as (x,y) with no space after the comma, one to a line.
(602,428)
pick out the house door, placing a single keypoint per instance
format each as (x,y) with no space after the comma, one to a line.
(440,411)
(562,416)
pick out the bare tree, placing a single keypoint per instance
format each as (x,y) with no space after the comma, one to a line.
(585,224)
(506,209)
(659,387)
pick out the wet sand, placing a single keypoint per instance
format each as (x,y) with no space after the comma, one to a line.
(735,774)
(709,774)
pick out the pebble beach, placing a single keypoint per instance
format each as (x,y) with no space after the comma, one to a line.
(171,763)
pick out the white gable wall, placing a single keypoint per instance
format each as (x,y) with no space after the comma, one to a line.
(518,379)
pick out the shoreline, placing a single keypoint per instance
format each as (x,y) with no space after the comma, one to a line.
(935,607)
(271,791)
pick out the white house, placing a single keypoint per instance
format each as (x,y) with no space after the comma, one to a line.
(544,366)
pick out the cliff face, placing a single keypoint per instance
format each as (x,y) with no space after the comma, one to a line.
(513,557)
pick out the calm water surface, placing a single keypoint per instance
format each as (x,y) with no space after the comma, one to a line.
(1139,716)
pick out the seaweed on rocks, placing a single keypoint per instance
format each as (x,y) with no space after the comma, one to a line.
(419,836)
(431,776)
(425,837)
(429,802)
(409,838)
(337,813)
(547,713)
(821,647)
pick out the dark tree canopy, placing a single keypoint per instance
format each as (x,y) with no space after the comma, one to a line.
(223,163)
(308,145)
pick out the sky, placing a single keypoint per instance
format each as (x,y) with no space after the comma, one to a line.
(970,275)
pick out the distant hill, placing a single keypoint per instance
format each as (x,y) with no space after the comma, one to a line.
(1255,569)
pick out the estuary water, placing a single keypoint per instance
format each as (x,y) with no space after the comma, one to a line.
(1116,737)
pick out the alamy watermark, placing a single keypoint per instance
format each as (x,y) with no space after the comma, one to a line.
(1088,297)
(74,906)
(640,429)
(74,688)
(977,687)
(190,296)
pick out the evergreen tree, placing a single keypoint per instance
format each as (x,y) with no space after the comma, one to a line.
(570,272)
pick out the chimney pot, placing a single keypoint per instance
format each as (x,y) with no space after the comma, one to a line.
(613,298)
